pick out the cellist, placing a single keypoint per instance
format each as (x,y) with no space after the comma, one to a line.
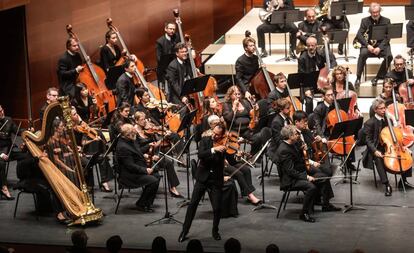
(69,66)
(247,66)
(398,73)
(375,151)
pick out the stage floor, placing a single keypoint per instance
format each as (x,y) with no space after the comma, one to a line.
(385,225)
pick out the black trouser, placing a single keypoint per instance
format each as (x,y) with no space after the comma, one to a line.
(168,165)
(215,199)
(148,194)
(243,177)
(14,156)
(380,166)
(269,28)
(410,34)
(363,56)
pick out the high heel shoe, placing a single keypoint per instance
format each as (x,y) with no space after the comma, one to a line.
(3,195)
(103,189)
(174,195)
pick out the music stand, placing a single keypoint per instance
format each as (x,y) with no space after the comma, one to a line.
(409,117)
(344,103)
(302,81)
(194,85)
(112,76)
(94,160)
(282,18)
(335,37)
(409,15)
(390,31)
(344,8)
(343,130)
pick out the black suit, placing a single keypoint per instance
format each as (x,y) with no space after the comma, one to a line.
(67,74)
(309,29)
(366,26)
(318,119)
(307,64)
(176,74)
(209,176)
(277,124)
(125,90)
(276,28)
(133,171)
(165,54)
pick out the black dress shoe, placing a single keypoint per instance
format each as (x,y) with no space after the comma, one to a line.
(330,208)
(292,54)
(374,81)
(388,190)
(182,237)
(406,184)
(263,54)
(216,236)
(306,218)
(145,209)
(357,83)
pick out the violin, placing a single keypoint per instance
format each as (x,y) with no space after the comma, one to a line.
(306,158)
(397,157)
(230,141)
(84,128)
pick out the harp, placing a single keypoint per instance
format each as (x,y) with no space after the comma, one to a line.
(73,196)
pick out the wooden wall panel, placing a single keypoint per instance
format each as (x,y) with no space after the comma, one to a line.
(140,23)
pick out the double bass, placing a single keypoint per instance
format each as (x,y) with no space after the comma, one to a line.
(397,158)
(93,77)
(324,72)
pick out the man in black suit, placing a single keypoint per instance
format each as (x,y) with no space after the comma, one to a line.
(381,48)
(69,67)
(314,59)
(125,88)
(165,49)
(134,171)
(279,121)
(209,176)
(267,27)
(309,27)
(178,71)
(375,151)
(293,175)
(398,73)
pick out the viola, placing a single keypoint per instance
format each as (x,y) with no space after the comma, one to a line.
(397,157)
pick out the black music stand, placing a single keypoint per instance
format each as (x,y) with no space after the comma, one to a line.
(282,18)
(302,81)
(186,123)
(344,103)
(335,37)
(343,130)
(409,117)
(390,31)
(112,76)
(94,160)
(344,8)
(194,85)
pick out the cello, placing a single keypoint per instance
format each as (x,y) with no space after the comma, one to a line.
(347,93)
(337,145)
(397,158)
(398,111)
(295,104)
(406,91)
(93,77)
(324,72)
(261,82)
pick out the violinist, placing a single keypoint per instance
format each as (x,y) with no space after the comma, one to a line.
(294,176)
(125,88)
(84,103)
(150,146)
(165,49)
(178,71)
(313,59)
(69,66)
(153,114)
(110,52)
(281,119)
(247,66)
(51,96)
(121,116)
(92,141)
(398,73)
(209,176)
(210,108)
(374,154)
(236,110)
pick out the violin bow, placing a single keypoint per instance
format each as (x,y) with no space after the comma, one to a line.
(14,140)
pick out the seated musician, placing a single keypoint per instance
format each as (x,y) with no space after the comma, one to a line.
(319,117)
(374,153)
(338,82)
(120,117)
(313,59)
(125,88)
(69,67)
(386,95)
(110,52)
(410,36)
(242,173)
(84,103)
(268,27)
(150,146)
(236,112)
(92,141)
(310,26)
(134,170)
(398,73)
(178,71)
(381,48)
(247,66)
(7,150)
(281,119)
(294,176)
(51,96)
